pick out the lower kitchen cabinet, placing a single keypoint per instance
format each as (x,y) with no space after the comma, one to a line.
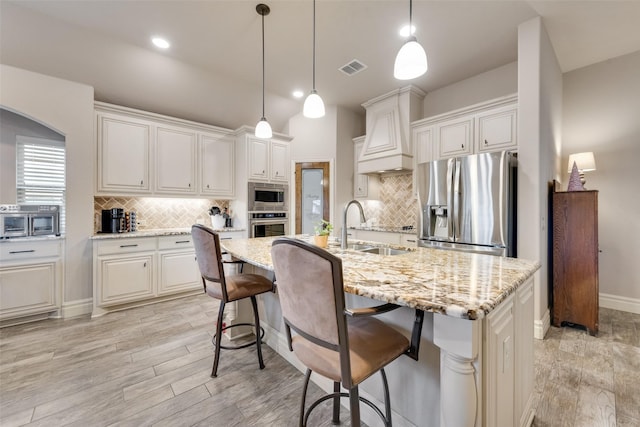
(134,271)
(31,274)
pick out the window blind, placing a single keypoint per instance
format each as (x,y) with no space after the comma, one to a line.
(40,173)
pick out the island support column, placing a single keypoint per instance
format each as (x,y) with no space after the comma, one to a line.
(460,376)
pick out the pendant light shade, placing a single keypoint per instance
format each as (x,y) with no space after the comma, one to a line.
(313,106)
(411,61)
(263,128)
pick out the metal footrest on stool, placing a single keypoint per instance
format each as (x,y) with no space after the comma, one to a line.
(238,347)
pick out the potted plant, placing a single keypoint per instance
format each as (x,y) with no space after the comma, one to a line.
(217,220)
(322,229)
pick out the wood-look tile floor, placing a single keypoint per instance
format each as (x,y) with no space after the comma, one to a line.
(151,366)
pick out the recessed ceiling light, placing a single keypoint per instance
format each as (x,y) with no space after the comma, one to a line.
(404,31)
(160,42)
(298,94)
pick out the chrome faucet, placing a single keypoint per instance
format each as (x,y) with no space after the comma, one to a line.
(343,241)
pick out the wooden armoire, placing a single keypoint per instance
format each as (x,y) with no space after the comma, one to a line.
(575,258)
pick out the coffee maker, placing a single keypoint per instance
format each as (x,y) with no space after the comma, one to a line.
(113,220)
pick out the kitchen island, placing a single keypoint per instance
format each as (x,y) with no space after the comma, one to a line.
(475,366)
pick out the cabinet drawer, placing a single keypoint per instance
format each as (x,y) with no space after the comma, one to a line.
(30,250)
(117,246)
(182,241)
(408,240)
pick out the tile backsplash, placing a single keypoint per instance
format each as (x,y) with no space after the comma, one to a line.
(154,213)
(397,207)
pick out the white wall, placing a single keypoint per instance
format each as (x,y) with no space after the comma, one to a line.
(539,121)
(602,114)
(68,108)
(494,83)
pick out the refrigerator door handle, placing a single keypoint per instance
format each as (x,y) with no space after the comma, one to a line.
(456,200)
(452,198)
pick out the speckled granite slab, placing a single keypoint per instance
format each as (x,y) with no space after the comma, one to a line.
(458,284)
(155,233)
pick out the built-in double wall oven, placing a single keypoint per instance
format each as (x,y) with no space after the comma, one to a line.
(268,224)
(29,220)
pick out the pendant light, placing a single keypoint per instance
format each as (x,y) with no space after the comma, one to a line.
(313,105)
(411,61)
(263,128)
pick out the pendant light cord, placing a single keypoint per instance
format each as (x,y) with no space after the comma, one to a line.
(314,45)
(410,17)
(263,65)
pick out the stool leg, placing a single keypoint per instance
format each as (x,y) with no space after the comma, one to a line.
(257,322)
(216,358)
(354,406)
(336,403)
(307,377)
(387,400)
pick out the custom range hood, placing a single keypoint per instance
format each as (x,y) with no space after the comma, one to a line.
(387,145)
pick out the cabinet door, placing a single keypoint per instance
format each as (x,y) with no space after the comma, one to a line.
(454,137)
(175,160)
(123,154)
(496,130)
(499,368)
(125,279)
(27,289)
(178,272)
(279,161)
(217,166)
(258,159)
(525,376)
(360,181)
(422,137)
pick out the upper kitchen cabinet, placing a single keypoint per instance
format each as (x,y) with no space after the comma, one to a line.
(267,160)
(364,186)
(387,144)
(175,160)
(217,165)
(496,129)
(123,154)
(481,128)
(149,154)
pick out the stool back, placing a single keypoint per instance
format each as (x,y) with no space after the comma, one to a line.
(209,256)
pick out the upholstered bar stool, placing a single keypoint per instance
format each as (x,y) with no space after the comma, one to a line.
(227,289)
(343,345)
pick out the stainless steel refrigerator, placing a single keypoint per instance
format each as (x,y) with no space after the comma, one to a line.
(468,203)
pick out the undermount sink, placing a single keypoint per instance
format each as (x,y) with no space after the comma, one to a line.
(384,251)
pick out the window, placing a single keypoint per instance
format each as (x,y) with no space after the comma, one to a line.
(40,173)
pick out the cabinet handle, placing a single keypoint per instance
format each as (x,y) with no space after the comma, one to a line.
(182,241)
(277,173)
(144,265)
(485,142)
(189,185)
(462,146)
(226,238)
(412,241)
(207,185)
(262,170)
(22,252)
(129,246)
(142,182)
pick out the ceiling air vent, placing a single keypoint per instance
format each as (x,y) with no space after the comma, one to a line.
(353,67)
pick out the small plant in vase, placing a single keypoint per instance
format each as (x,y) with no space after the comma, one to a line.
(323,230)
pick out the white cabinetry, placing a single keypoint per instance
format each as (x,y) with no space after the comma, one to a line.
(30,280)
(178,269)
(217,165)
(454,137)
(268,160)
(364,186)
(136,148)
(175,160)
(485,127)
(123,154)
(134,271)
(388,237)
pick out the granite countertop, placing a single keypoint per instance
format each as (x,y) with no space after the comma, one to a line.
(155,233)
(459,284)
(385,229)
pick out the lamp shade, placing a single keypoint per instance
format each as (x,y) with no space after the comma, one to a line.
(313,106)
(584,161)
(263,129)
(411,61)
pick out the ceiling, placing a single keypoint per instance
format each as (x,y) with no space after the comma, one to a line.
(212,72)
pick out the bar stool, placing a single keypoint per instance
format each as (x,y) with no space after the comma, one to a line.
(343,345)
(227,289)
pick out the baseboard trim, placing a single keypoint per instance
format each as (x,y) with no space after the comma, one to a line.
(615,302)
(77,308)
(540,327)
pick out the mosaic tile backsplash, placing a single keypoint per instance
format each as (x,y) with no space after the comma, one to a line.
(397,207)
(154,213)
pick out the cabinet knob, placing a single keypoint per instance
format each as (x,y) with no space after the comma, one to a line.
(485,142)
(262,170)
(462,146)
(189,185)
(141,182)
(277,173)
(207,185)
(145,264)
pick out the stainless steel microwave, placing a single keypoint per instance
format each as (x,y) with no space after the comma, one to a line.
(29,220)
(267,197)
